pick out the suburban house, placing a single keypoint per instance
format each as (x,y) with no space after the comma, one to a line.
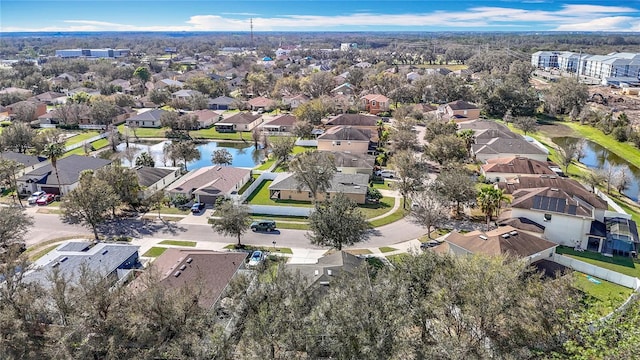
(153,179)
(50,98)
(426,108)
(206,271)
(260,103)
(206,118)
(343,89)
(208,183)
(501,169)
(243,121)
(26,162)
(502,147)
(221,103)
(114,262)
(44,178)
(160,84)
(353,163)
(185,94)
(353,186)
(318,276)
(149,119)
(39,107)
(458,111)
(358,121)
(483,124)
(504,240)
(375,103)
(345,138)
(280,124)
(570,214)
(294,101)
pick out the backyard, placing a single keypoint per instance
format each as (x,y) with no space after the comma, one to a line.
(620,264)
(602,296)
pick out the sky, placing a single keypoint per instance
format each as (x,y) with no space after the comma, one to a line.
(316,15)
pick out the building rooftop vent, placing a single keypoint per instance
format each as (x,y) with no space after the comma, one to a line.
(513,233)
(483,237)
(505,236)
(183,267)
(189,260)
(177,273)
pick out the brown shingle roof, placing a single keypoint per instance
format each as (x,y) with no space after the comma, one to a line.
(353,120)
(461,105)
(549,200)
(283,120)
(569,186)
(219,179)
(504,240)
(208,270)
(260,102)
(517,165)
(346,133)
(241,118)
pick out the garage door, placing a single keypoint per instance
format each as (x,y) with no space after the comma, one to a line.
(51,190)
(207,199)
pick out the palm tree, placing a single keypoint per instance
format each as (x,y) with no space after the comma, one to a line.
(469,139)
(53,152)
(490,200)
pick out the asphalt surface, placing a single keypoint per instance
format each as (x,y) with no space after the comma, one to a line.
(49,227)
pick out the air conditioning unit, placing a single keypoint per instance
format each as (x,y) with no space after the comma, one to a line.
(177,273)
(183,267)
(189,260)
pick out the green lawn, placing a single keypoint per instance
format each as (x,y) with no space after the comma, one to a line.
(601,298)
(359,251)
(372,210)
(155,251)
(393,217)
(279,217)
(267,164)
(178,243)
(99,144)
(619,264)
(386,249)
(144,132)
(245,186)
(170,211)
(398,258)
(386,185)
(282,250)
(80,137)
(292,226)
(261,197)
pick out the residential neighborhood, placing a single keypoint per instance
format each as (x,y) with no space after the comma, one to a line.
(236,199)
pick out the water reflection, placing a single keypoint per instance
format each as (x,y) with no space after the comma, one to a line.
(244,154)
(597,157)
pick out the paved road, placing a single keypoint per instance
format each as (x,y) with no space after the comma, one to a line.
(48,226)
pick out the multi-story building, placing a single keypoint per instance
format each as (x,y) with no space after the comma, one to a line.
(544,59)
(94,53)
(569,61)
(611,65)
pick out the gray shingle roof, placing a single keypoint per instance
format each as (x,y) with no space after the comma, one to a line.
(69,258)
(346,159)
(241,118)
(508,146)
(151,115)
(148,176)
(354,120)
(327,267)
(24,159)
(345,183)
(222,100)
(69,170)
(346,133)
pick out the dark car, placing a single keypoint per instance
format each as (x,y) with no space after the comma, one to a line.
(45,199)
(263,225)
(197,207)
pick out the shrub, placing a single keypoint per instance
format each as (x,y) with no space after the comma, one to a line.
(620,134)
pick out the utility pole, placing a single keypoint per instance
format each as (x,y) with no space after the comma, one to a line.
(251,26)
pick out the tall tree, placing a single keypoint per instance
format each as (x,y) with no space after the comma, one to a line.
(53,152)
(312,111)
(411,172)
(231,219)
(337,222)
(565,95)
(17,137)
(456,186)
(124,182)
(427,210)
(313,169)
(8,171)
(447,149)
(281,147)
(302,129)
(14,225)
(489,199)
(526,124)
(143,74)
(103,112)
(145,159)
(221,157)
(185,151)
(90,202)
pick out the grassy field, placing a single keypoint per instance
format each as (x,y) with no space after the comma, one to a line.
(386,185)
(267,164)
(261,197)
(619,264)
(170,211)
(282,250)
(386,249)
(292,226)
(80,137)
(144,132)
(178,243)
(99,144)
(155,251)
(601,298)
(372,210)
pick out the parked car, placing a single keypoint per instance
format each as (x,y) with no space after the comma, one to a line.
(197,207)
(428,244)
(386,173)
(263,225)
(34,197)
(256,258)
(45,199)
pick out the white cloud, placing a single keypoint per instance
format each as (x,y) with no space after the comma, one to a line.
(569,18)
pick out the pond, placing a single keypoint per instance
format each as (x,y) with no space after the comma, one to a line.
(597,157)
(244,154)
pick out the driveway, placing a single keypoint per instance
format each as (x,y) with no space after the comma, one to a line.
(201,218)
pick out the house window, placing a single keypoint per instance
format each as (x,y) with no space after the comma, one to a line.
(338,143)
(373,103)
(310,195)
(547,217)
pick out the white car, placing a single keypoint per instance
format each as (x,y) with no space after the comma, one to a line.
(386,173)
(256,258)
(34,197)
